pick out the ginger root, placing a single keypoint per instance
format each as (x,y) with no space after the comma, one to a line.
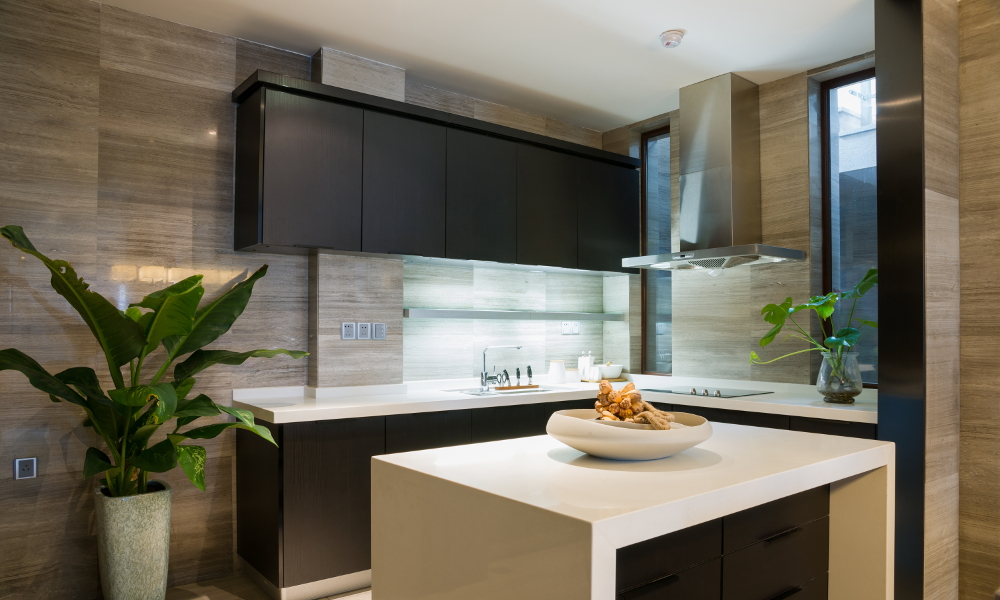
(627,405)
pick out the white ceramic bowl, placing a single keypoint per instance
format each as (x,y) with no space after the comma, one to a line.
(611,371)
(626,441)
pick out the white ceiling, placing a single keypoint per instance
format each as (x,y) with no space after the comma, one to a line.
(595,63)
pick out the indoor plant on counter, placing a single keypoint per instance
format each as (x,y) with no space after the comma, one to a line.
(839,376)
(133,513)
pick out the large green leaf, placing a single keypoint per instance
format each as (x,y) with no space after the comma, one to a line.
(202,359)
(192,460)
(775,314)
(140,395)
(95,462)
(183,387)
(823,305)
(845,337)
(15,360)
(868,323)
(104,414)
(215,318)
(173,309)
(157,459)
(867,282)
(210,431)
(121,338)
(137,442)
(199,406)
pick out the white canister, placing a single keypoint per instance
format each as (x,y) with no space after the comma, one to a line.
(573,375)
(557,371)
(595,374)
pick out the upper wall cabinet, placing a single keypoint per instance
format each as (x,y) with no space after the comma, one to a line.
(609,218)
(404,186)
(546,207)
(482,197)
(320,168)
(298,172)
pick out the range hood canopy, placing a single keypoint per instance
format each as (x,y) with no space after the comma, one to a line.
(720,181)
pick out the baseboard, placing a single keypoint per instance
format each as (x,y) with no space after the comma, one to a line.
(312,590)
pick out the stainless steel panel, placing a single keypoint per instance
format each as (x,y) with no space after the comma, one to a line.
(706,219)
(764,253)
(706,111)
(746,223)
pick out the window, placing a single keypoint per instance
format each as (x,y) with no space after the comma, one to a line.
(657,346)
(850,238)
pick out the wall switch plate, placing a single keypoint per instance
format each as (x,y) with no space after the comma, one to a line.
(576,328)
(25,468)
(567,328)
(364,331)
(347,331)
(378,331)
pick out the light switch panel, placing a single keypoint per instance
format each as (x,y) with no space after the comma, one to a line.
(347,331)
(576,328)
(364,331)
(378,331)
(567,328)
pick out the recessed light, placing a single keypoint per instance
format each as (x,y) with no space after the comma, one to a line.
(671,38)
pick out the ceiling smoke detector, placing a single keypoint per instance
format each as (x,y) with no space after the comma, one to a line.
(671,38)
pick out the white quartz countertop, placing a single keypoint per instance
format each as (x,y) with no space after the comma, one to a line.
(737,468)
(297,404)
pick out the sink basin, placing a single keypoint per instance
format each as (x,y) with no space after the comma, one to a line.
(476,392)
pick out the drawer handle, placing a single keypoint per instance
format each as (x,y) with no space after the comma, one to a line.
(662,582)
(782,535)
(787,593)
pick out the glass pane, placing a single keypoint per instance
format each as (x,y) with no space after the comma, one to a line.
(853,224)
(658,320)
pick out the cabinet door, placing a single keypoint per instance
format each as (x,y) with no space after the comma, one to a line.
(404,186)
(327,497)
(258,501)
(609,227)
(420,431)
(779,565)
(703,582)
(546,207)
(736,417)
(866,431)
(312,173)
(482,197)
(509,422)
(654,559)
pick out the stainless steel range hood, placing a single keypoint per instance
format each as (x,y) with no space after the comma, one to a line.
(720,181)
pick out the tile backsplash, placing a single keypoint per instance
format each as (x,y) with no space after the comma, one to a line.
(449,348)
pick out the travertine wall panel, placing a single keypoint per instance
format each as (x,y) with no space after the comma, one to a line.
(333,67)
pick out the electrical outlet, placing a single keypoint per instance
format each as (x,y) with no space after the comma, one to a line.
(25,468)
(576,328)
(378,331)
(567,328)
(347,331)
(364,331)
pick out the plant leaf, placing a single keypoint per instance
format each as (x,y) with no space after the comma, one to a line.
(202,359)
(95,462)
(140,395)
(823,305)
(845,337)
(867,282)
(210,431)
(103,411)
(15,360)
(868,323)
(141,437)
(767,339)
(156,459)
(192,460)
(121,338)
(173,309)
(183,387)
(215,318)
(199,406)
(775,314)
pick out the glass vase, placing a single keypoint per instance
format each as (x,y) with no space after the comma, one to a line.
(839,377)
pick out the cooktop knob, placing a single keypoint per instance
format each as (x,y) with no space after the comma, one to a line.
(704,392)
(718,393)
(694,392)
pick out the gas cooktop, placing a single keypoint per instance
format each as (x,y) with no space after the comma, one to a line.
(712,392)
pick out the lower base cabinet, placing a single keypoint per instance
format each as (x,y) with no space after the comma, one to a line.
(770,552)
(868,431)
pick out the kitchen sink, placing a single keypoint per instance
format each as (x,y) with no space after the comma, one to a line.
(476,392)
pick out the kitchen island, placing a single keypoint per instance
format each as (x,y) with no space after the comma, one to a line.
(533,518)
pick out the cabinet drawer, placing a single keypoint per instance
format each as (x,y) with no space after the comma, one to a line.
(736,417)
(420,431)
(845,428)
(666,555)
(776,566)
(703,582)
(761,522)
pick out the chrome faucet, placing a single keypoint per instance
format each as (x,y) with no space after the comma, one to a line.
(485,379)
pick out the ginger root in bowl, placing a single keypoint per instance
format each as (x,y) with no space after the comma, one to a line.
(627,405)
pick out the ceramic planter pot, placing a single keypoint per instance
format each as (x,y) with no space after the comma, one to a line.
(133,544)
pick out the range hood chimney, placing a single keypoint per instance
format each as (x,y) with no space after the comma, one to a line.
(720,181)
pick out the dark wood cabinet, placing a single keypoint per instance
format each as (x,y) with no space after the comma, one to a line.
(521,420)
(482,197)
(609,227)
(421,431)
(753,525)
(736,417)
(310,150)
(703,582)
(660,557)
(546,207)
(778,565)
(404,186)
(868,431)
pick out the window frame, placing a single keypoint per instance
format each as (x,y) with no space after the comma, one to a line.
(827,200)
(643,138)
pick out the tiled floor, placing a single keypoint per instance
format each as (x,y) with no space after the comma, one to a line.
(238,587)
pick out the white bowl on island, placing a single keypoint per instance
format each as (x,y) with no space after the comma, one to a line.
(611,371)
(618,440)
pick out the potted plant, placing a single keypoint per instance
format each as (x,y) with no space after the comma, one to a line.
(839,376)
(133,513)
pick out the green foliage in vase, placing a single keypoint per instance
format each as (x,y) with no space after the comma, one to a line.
(129,415)
(835,340)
